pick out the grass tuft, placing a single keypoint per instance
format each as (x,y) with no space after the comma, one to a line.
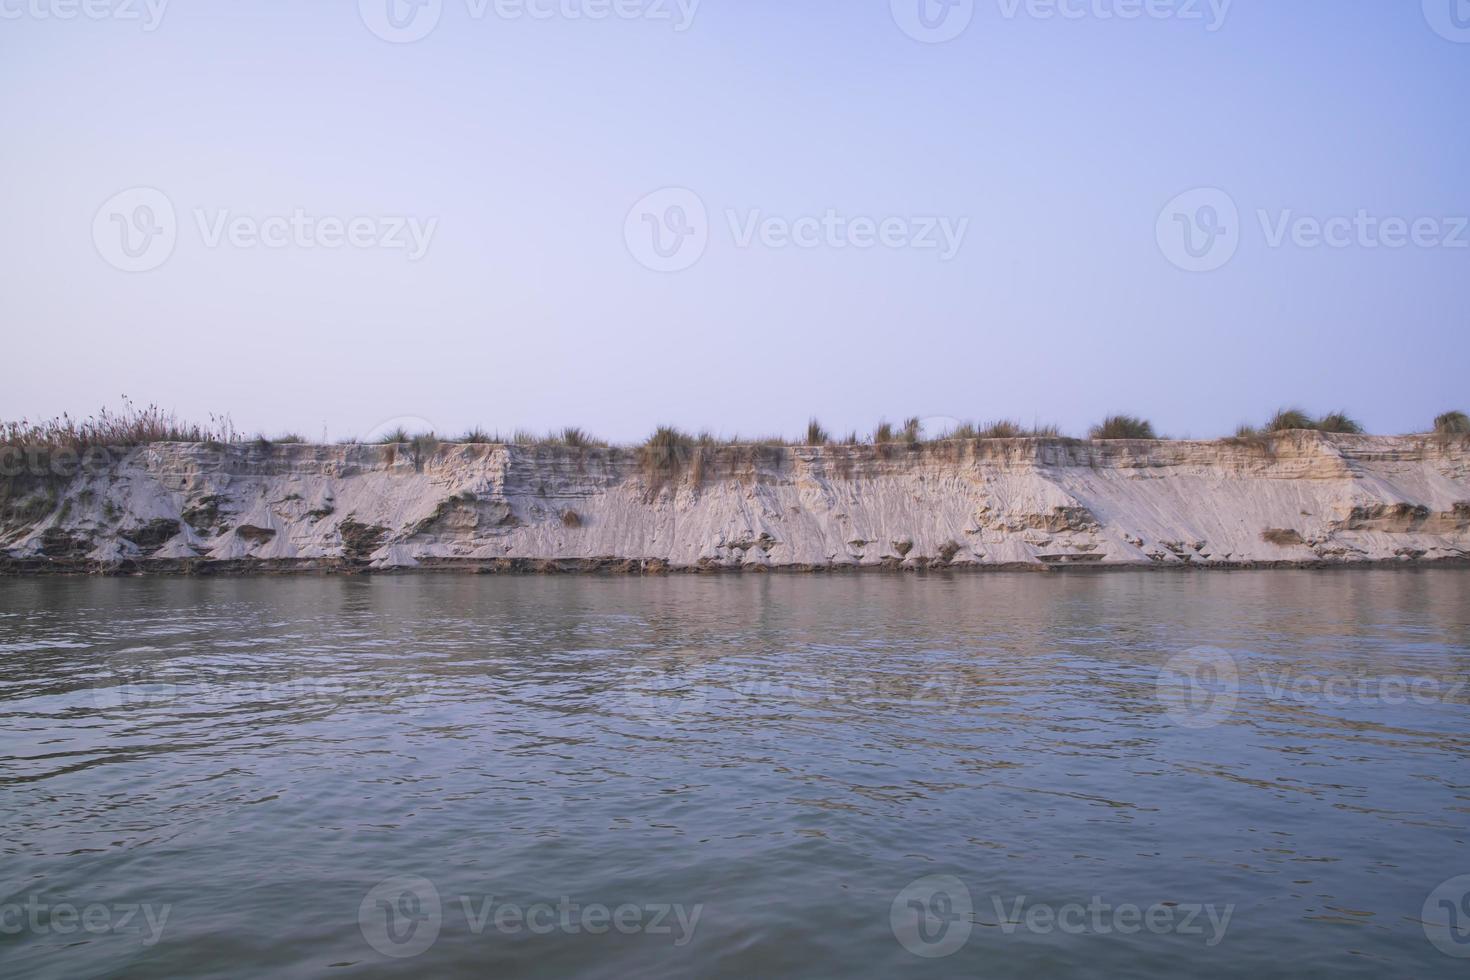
(1002,429)
(476,436)
(1287,419)
(1340,422)
(394,437)
(1452,424)
(666,451)
(1124,427)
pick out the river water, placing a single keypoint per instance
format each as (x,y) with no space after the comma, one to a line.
(1001,775)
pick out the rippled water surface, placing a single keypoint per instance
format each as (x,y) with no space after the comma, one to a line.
(1148,775)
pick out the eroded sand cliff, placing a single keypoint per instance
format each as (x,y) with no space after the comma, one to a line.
(1299,498)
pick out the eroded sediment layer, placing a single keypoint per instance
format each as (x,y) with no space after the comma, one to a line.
(1297,498)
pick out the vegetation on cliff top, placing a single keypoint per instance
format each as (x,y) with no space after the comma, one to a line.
(1290,419)
(1124,427)
(133,426)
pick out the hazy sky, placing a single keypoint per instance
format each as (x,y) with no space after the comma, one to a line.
(339,224)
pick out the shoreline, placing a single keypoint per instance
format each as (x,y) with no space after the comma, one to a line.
(656,568)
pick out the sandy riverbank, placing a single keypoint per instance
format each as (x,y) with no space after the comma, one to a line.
(1299,498)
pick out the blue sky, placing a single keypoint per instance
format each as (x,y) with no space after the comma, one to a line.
(523,153)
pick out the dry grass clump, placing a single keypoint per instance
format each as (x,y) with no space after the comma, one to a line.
(1010,429)
(476,437)
(815,434)
(667,450)
(1452,424)
(575,438)
(131,426)
(570,437)
(394,436)
(1003,429)
(1291,419)
(571,519)
(911,432)
(1287,419)
(1340,422)
(1124,427)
